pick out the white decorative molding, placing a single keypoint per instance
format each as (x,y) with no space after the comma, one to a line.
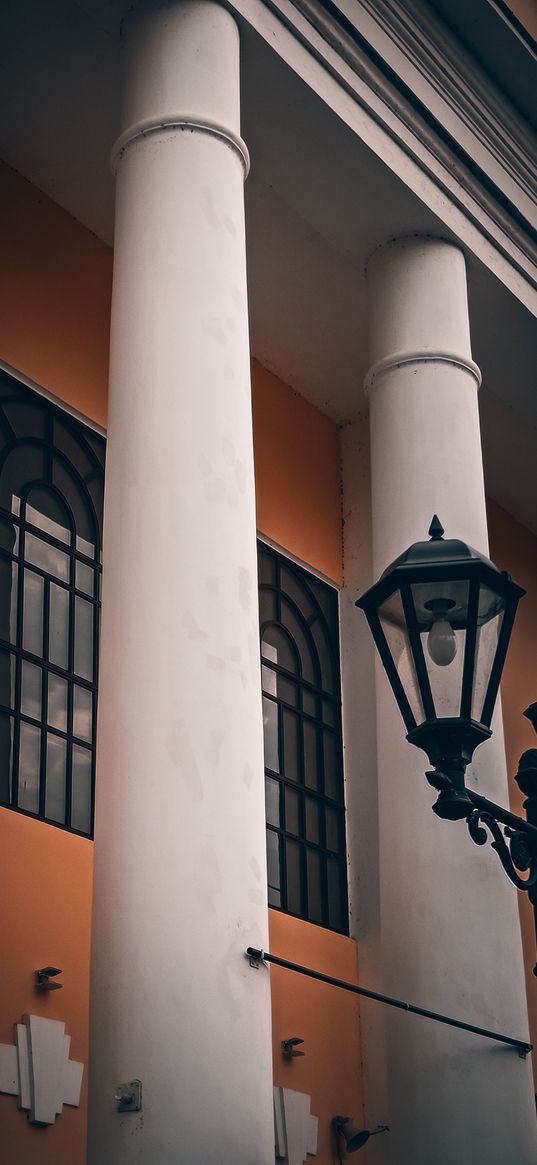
(174,124)
(421,356)
(466,174)
(295,1128)
(38,1070)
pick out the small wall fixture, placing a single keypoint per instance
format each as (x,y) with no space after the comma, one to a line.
(43,977)
(289,1047)
(354,1137)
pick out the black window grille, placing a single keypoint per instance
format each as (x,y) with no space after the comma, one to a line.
(305,815)
(51,499)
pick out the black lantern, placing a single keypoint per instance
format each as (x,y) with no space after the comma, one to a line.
(441,616)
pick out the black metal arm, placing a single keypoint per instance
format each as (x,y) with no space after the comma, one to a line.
(518,854)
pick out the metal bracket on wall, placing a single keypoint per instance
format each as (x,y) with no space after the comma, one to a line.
(129,1096)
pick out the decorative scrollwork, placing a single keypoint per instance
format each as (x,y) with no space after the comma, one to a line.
(517,855)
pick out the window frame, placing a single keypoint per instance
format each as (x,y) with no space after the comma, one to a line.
(324,802)
(91,442)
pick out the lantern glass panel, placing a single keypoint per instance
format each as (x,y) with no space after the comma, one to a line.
(442,616)
(393,623)
(490,619)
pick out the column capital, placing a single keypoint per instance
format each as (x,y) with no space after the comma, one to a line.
(420,356)
(179,56)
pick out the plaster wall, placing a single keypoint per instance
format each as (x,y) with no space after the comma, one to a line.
(54,324)
(513,548)
(45,913)
(54,297)
(526,12)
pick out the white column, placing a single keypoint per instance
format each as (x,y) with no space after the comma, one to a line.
(180,884)
(448,932)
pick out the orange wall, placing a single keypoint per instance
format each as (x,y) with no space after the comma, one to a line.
(526,12)
(54,325)
(54,297)
(45,914)
(298,489)
(326,1018)
(298,474)
(514,549)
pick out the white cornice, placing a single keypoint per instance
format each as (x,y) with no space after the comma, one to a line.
(427,109)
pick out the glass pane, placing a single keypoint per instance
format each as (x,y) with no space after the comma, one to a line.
(312,821)
(59,626)
(70,488)
(6,758)
(315,908)
(294,877)
(309,702)
(32,629)
(8,599)
(311,760)
(44,509)
(486,644)
(332,784)
(292,811)
(443,640)
(47,557)
(85,578)
(267,606)
(393,624)
(271,735)
(332,830)
(57,702)
(268,680)
(291,765)
(29,763)
(276,647)
(81,789)
(266,567)
(23,463)
(272,801)
(83,638)
(324,653)
(9,536)
(31,690)
(273,867)
(55,784)
(287,691)
(335,872)
(329,713)
(298,592)
(309,667)
(82,713)
(7,679)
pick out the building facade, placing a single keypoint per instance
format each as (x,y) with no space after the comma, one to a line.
(277,261)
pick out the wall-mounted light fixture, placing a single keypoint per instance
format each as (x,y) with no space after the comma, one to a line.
(44,976)
(441,616)
(355,1138)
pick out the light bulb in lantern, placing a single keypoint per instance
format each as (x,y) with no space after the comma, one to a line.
(441,642)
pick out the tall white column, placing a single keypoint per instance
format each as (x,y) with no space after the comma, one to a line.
(180,885)
(448,932)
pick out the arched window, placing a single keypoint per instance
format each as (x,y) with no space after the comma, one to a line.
(303,750)
(51,497)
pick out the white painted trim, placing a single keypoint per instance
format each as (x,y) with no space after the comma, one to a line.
(55,400)
(298,561)
(397,359)
(149,125)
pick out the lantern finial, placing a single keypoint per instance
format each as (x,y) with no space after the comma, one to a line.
(436,529)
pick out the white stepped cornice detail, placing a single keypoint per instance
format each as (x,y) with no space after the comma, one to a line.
(366,46)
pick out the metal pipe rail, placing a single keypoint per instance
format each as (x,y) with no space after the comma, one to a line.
(258,956)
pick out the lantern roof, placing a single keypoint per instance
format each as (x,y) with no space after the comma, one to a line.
(438,551)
